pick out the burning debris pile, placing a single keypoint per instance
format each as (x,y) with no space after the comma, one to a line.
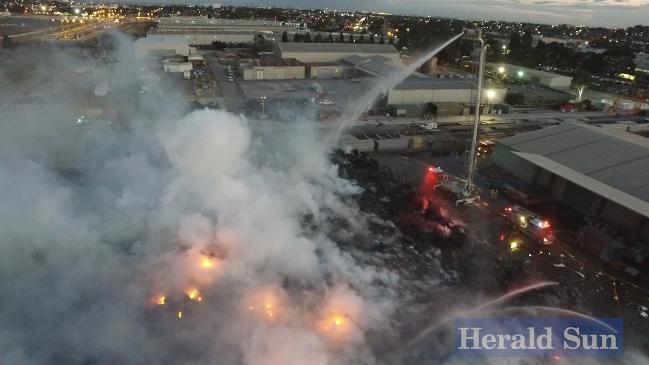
(184,238)
(193,241)
(415,221)
(393,199)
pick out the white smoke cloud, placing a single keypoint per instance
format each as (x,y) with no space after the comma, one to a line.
(239,236)
(99,223)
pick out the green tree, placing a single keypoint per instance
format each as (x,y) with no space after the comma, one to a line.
(351,38)
(307,37)
(318,38)
(330,39)
(284,37)
(580,82)
(526,41)
(372,40)
(218,45)
(431,110)
(382,40)
(494,52)
(297,37)
(595,64)
(515,45)
(619,59)
(515,98)
(361,40)
(341,38)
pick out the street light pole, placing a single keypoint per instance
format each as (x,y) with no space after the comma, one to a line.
(263,106)
(468,190)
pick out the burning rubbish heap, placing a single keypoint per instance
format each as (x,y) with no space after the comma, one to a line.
(419,225)
(391,198)
(186,239)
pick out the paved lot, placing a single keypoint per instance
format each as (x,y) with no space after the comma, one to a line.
(13,25)
(231,99)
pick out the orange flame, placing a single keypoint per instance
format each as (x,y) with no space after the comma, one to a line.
(194,295)
(207,262)
(265,305)
(335,326)
(336,321)
(268,309)
(158,300)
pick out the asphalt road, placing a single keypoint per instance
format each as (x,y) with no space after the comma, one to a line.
(16,25)
(485,119)
(232,99)
(48,28)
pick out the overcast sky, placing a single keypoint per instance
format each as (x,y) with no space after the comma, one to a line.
(619,13)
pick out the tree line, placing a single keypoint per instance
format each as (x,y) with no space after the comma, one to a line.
(557,55)
(340,38)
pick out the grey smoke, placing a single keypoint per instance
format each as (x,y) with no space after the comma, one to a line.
(96,221)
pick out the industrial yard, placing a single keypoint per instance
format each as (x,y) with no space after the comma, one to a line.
(241,185)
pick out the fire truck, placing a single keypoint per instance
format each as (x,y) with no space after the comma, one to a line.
(529,223)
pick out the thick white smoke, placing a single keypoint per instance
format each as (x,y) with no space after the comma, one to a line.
(175,237)
(99,223)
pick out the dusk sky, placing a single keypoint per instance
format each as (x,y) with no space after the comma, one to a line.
(618,13)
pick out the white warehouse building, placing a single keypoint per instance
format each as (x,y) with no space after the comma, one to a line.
(159,46)
(204,30)
(333,52)
(421,89)
(272,69)
(544,78)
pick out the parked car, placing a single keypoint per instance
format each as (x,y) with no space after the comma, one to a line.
(429,126)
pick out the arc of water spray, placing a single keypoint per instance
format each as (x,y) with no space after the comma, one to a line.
(561,311)
(366,101)
(503,298)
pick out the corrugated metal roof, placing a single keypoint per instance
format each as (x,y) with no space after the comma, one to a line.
(354,59)
(337,47)
(158,38)
(427,82)
(586,154)
(381,66)
(631,202)
(378,67)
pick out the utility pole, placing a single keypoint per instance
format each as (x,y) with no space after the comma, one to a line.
(263,107)
(469,187)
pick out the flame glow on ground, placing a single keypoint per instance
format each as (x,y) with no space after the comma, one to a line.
(194,295)
(188,238)
(335,327)
(265,304)
(207,262)
(159,300)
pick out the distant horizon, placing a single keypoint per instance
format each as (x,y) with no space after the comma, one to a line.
(617,13)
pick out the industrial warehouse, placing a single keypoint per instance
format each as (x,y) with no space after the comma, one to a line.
(600,172)
(548,79)
(157,46)
(262,184)
(333,52)
(204,31)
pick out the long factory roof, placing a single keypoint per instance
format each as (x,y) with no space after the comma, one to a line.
(337,47)
(611,163)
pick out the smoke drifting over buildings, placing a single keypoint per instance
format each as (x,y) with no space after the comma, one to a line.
(175,237)
(172,238)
